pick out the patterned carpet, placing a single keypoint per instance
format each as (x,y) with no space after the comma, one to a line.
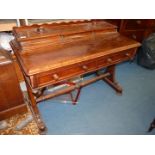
(13,122)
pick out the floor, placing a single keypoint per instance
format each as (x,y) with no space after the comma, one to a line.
(101,111)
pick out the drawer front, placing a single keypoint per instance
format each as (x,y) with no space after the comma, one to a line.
(135,24)
(64,73)
(116,58)
(68,72)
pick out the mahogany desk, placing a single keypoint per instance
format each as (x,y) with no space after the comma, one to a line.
(52,54)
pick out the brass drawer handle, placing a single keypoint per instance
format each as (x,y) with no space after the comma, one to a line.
(109,60)
(84,67)
(56,77)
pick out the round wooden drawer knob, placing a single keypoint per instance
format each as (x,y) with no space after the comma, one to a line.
(85,67)
(109,60)
(127,54)
(56,77)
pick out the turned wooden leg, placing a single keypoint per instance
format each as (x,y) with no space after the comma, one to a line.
(34,109)
(110,80)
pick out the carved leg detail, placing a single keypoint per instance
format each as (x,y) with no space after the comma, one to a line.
(34,109)
(114,85)
(111,79)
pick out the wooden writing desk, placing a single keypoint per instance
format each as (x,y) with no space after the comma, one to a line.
(51,54)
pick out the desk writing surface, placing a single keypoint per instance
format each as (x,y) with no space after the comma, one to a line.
(48,58)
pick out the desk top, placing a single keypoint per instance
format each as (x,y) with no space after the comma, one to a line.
(67,44)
